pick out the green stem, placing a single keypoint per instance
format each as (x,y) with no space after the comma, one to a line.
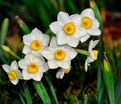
(82,52)
(7,49)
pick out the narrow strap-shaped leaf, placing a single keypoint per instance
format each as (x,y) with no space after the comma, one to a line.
(23,26)
(4,30)
(21,98)
(27,93)
(42,92)
(118,87)
(100,81)
(109,81)
(51,89)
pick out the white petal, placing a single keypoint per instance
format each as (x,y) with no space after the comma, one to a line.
(76,18)
(79,32)
(14,81)
(53,42)
(84,38)
(64,64)
(63,18)
(19,74)
(95,24)
(37,76)
(23,64)
(36,34)
(60,74)
(6,67)
(88,13)
(62,38)
(86,65)
(94,32)
(91,57)
(26,49)
(73,42)
(92,44)
(26,74)
(27,40)
(45,40)
(14,65)
(45,67)
(37,53)
(55,27)
(71,53)
(48,53)
(52,64)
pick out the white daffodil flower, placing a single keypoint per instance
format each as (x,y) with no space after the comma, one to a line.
(66,30)
(59,56)
(88,24)
(13,73)
(93,54)
(35,42)
(33,67)
(61,72)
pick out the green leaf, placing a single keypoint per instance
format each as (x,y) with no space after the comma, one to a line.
(7,49)
(42,92)
(51,88)
(118,88)
(4,30)
(27,93)
(23,26)
(100,80)
(21,98)
(109,81)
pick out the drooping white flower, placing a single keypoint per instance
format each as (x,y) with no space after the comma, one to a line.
(35,42)
(13,73)
(93,54)
(59,56)
(61,72)
(66,30)
(33,67)
(88,24)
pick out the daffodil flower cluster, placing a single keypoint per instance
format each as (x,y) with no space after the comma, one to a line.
(58,53)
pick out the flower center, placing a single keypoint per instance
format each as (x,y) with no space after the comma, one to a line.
(86,22)
(33,68)
(60,54)
(95,54)
(70,28)
(67,70)
(12,75)
(36,45)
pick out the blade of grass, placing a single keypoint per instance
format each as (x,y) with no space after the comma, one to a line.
(7,49)
(42,92)
(118,87)
(4,30)
(109,80)
(21,98)
(27,93)
(23,26)
(51,89)
(100,81)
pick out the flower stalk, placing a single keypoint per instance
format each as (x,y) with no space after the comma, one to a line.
(82,52)
(7,49)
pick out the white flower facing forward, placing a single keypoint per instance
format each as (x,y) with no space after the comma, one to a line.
(61,72)
(93,54)
(33,67)
(35,42)
(59,56)
(66,30)
(88,24)
(13,73)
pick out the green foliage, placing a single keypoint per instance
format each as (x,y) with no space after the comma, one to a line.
(42,92)
(109,81)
